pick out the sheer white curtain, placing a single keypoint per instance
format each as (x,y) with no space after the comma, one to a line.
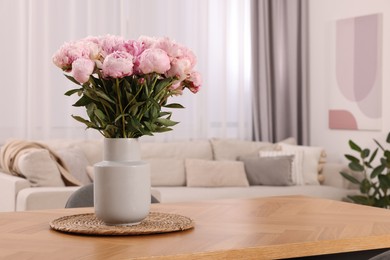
(32,104)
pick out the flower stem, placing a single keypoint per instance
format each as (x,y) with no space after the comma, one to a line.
(121,108)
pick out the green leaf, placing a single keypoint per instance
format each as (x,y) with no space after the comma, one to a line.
(355,166)
(378,144)
(104,96)
(100,115)
(166,122)
(72,79)
(365,153)
(163,129)
(174,105)
(350,178)
(86,122)
(377,170)
(351,158)
(387,155)
(365,186)
(388,138)
(162,85)
(164,114)
(354,146)
(359,199)
(83,101)
(72,91)
(384,182)
(90,109)
(373,155)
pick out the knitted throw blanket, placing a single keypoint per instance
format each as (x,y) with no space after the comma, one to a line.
(12,150)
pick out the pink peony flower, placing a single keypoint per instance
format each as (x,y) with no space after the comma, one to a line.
(135,48)
(110,44)
(147,41)
(154,60)
(170,47)
(177,88)
(70,52)
(194,82)
(118,65)
(82,69)
(180,68)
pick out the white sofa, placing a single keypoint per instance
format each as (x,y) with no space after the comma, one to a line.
(181,171)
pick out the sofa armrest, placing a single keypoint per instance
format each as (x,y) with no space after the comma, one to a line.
(10,186)
(38,198)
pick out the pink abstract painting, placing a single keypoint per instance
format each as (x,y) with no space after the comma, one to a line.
(356,98)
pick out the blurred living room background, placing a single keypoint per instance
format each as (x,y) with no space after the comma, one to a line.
(234,40)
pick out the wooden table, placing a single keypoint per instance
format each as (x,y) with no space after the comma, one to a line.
(263,228)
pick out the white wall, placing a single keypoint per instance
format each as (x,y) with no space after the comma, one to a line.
(322,16)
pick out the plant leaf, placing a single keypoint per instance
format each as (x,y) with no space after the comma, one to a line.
(83,101)
(365,186)
(377,170)
(351,158)
(72,79)
(354,146)
(378,144)
(365,153)
(173,105)
(166,122)
(72,91)
(355,166)
(350,178)
(373,155)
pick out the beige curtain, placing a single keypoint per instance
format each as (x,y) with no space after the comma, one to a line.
(280,70)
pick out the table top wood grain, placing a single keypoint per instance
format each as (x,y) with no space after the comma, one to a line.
(261,228)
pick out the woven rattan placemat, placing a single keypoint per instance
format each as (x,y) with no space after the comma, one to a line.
(154,223)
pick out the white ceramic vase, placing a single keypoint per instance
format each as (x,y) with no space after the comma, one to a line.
(122,183)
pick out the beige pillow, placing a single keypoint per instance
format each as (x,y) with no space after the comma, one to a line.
(310,163)
(207,173)
(76,162)
(40,169)
(231,149)
(290,140)
(167,172)
(179,150)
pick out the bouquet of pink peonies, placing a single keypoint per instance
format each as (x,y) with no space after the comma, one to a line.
(124,84)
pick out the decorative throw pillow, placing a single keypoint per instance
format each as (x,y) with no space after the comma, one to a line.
(231,149)
(207,173)
(40,169)
(76,162)
(167,172)
(311,159)
(296,172)
(271,171)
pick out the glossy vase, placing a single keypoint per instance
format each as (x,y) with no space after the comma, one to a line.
(121,183)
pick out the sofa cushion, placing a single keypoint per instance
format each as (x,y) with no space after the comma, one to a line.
(92,149)
(167,172)
(76,162)
(206,173)
(40,169)
(177,150)
(272,171)
(310,163)
(296,172)
(231,149)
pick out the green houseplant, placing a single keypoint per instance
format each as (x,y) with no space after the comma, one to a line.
(372,176)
